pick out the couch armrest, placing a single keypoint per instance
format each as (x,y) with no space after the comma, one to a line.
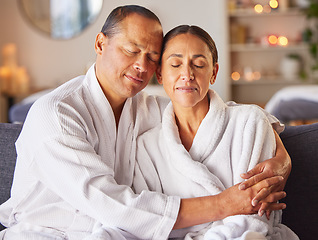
(300,215)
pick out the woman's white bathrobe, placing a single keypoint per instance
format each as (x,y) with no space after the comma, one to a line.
(230,140)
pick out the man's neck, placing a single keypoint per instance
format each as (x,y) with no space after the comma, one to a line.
(117,107)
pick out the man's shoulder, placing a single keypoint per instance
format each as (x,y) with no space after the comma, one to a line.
(61,97)
(62,92)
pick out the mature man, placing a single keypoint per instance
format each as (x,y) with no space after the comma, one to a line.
(73,175)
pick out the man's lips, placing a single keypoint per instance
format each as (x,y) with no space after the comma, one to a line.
(134,79)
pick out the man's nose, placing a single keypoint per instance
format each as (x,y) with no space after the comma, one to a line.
(141,64)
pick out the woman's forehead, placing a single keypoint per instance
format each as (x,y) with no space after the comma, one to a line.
(186,42)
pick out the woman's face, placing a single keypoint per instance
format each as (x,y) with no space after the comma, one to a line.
(187,70)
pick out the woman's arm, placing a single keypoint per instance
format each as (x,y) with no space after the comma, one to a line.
(279,165)
(232,201)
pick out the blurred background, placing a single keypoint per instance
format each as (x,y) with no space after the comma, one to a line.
(267,49)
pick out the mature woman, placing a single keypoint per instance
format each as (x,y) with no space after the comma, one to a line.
(203,145)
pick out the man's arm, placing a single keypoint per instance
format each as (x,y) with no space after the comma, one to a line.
(232,201)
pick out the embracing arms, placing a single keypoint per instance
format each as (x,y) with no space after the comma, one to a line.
(258,194)
(232,201)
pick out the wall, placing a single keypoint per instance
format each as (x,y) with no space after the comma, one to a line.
(52,62)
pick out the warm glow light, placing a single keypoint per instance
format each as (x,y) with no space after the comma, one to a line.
(272,39)
(282,40)
(258,8)
(257,75)
(273,3)
(267,9)
(235,76)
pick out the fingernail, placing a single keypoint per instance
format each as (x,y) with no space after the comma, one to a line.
(261,213)
(254,203)
(242,186)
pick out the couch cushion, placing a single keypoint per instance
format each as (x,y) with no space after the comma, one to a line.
(9,133)
(300,215)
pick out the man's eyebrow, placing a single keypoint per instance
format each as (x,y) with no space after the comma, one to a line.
(142,47)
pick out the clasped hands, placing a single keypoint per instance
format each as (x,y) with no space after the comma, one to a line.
(262,189)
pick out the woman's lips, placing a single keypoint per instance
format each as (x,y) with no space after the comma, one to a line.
(186,89)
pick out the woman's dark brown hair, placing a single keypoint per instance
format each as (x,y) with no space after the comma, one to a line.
(196,31)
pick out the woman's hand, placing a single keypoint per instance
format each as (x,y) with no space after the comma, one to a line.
(235,201)
(280,165)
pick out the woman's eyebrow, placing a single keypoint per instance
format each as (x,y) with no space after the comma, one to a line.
(179,55)
(199,55)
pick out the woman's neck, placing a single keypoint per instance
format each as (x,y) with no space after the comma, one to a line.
(188,121)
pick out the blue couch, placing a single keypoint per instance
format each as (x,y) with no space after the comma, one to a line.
(302,187)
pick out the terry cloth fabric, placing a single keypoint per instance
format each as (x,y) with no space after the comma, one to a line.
(73,173)
(230,140)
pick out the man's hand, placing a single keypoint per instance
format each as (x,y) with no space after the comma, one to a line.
(280,165)
(235,201)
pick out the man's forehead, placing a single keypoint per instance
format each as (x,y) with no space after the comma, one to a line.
(142,46)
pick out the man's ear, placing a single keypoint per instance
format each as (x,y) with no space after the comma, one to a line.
(158,75)
(100,43)
(214,74)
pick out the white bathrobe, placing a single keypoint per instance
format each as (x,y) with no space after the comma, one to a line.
(230,140)
(73,176)
(74,169)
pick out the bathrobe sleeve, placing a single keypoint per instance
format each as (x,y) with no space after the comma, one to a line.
(256,143)
(68,153)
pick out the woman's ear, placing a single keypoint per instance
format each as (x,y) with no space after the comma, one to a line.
(158,75)
(100,43)
(214,74)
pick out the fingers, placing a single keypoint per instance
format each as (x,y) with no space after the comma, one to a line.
(270,182)
(251,181)
(265,196)
(264,178)
(269,207)
(256,170)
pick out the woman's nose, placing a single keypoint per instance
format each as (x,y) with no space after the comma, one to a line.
(187,74)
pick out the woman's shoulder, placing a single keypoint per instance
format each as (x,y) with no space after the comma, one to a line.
(247,111)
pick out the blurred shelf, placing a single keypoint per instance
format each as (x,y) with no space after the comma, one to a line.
(270,81)
(251,47)
(277,12)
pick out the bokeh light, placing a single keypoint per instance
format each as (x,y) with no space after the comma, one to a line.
(235,76)
(258,8)
(272,39)
(282,40)
(273,3)
(257,75)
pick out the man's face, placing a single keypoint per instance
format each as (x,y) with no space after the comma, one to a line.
(126,62)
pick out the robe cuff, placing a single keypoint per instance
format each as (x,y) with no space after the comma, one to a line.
(169,218)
